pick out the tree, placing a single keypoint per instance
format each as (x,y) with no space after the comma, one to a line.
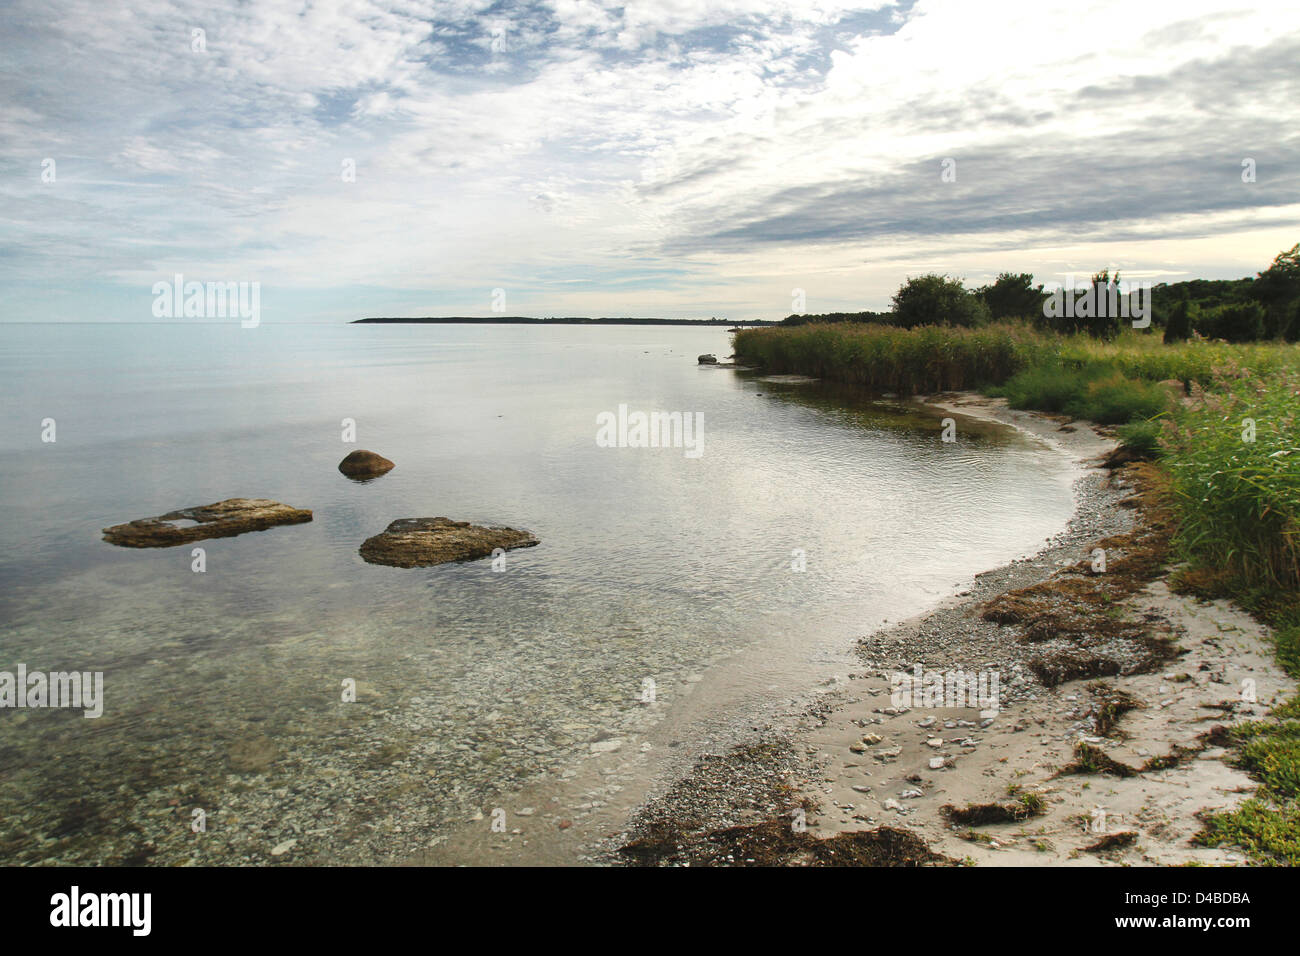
(1239,322)
(1178,327)
(1277,288)
(937,300)
(1013,294)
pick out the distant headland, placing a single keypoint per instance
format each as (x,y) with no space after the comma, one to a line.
(558,320)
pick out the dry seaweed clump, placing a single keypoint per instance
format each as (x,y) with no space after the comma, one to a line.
(1112,841)
(739,808)
(1026,805)
(777,843)
(1089,759)
(1109,705)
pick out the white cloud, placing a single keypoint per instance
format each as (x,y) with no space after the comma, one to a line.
(728,146)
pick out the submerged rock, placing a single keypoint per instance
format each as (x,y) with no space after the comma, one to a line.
(363,464)
(223,519)
(419,542)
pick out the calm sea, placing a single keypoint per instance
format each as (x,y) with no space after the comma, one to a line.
(658,574)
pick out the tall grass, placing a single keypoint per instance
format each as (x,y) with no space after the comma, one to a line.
(1100,393)
(1234,464)
(937,358)
(885,358)
(1139,355)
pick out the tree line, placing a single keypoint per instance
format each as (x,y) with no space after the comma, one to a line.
(1234,310)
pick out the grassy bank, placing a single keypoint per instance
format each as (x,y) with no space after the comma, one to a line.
(1220,418)
(1234,466)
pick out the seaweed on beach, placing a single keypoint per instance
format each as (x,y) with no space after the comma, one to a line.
(1110,704)
(1026,805)
(1112,841)
(1092,760)
(1079,601)
(776,843)
(1078,614)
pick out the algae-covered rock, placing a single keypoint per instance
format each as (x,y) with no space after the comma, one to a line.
(220,520)
(418,542)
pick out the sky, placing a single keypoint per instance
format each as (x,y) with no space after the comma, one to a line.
(671,158)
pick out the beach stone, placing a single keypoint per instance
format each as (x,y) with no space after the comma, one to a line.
(361,465)
(222,519)
(420,542)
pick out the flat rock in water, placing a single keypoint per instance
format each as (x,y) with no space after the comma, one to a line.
(362,464)
(223,519)
(419,542)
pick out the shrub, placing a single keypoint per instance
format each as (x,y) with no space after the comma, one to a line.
(1179,326)
(1239,322)
(1142,437)
(1013,295)
(937,300)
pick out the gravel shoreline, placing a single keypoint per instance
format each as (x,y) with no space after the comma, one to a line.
(812,788)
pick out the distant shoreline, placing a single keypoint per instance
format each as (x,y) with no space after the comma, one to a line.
(565,320)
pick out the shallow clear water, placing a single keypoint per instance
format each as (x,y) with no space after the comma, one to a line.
(223,688)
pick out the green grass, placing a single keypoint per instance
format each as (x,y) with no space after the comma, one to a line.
(1268,832)
(1234,467)
(1099,392)
(1267,826)
(1142,437)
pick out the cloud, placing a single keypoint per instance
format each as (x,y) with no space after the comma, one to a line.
(699,154)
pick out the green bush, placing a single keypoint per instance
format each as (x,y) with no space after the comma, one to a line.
(937,300)
(1238,322)
(1113,399)
(1099,393)
(1142,437)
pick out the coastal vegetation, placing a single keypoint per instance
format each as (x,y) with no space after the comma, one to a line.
(1234,310)
(1211,391)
